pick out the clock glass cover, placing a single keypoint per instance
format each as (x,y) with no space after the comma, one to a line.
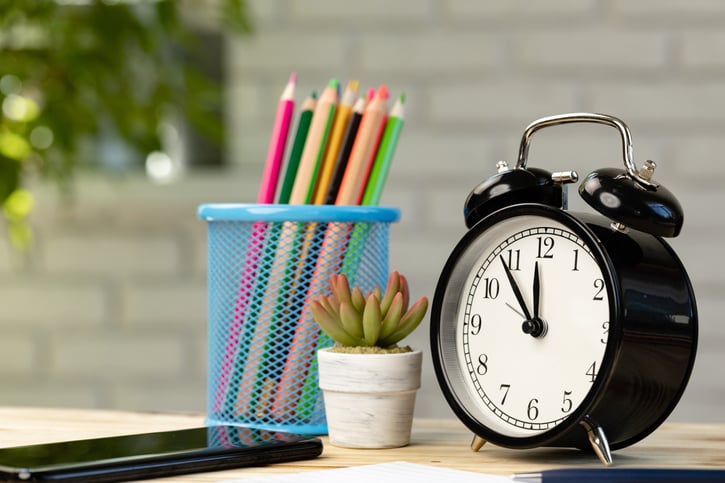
(527,310)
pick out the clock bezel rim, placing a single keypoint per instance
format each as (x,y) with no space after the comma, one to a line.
(614,337)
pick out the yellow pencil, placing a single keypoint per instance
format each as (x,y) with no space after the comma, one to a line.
(342,116)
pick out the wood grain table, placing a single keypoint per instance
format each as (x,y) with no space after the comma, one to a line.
(436,442)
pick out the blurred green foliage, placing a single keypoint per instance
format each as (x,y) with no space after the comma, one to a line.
(73,73)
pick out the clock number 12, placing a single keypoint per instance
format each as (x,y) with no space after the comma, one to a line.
(546,244)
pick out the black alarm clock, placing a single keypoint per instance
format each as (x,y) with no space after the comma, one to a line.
(562,329)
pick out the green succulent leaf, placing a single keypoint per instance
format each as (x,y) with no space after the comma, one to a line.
(352,321)
(405,291)
(408,322)
(392,318)
(377,292)
(330,325)
(371,320)
(391,289)
(358,299)
(349,317)
(341,289)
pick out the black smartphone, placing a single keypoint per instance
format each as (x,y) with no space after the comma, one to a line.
(154,455)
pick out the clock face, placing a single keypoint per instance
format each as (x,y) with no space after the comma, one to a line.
(525,324)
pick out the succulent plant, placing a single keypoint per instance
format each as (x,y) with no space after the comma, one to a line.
(376,319)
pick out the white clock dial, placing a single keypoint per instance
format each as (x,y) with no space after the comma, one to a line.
(529,359)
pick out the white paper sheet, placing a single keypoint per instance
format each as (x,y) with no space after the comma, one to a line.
(395,472)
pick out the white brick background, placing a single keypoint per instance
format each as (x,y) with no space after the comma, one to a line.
(111,309)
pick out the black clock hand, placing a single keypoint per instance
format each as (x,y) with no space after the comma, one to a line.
(537,290)
(536,326)
(516,289)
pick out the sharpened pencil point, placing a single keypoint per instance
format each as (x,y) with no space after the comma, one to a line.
(333,83)
(370,94)
(293,78)
(402,98)
(383,92)
(354,86)
(313,95)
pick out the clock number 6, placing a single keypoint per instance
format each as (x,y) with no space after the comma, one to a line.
(532,411)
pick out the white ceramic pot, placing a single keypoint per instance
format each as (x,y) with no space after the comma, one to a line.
(369,398)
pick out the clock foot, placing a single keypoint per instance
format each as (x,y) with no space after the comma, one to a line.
(477,443)
(598,440)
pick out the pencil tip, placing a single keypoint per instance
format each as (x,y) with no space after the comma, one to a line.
(402,98)
(353,85)
(383,92)
(313,95)
(370,94)
(333,83)
(293,78)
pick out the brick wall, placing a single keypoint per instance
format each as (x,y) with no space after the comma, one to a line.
(111,309)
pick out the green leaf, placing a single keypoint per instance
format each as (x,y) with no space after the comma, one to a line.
(329,325)
(371,320)
(408,322)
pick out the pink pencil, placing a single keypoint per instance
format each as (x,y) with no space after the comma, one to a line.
(277,142)
(255,246)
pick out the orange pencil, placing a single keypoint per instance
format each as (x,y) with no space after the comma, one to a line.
(352,187)
(314,150)
(342,116)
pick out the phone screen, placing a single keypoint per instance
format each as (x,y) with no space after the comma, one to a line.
(149,455)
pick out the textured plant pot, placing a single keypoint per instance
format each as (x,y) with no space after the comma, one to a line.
(369,398)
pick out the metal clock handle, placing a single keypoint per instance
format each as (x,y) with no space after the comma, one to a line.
(589,117)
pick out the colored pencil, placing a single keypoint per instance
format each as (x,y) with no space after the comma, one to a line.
(315,145)
(306,332)
(294,377)
(344,153)
(238,327)
(375,184)
(303,126)
(342,117)
(384,156)
(300,268)
(352,187)
(277,142)
(341,154)
(289,249)
(266,296)
(309,397)
(371,158)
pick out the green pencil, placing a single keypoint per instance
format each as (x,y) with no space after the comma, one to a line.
(303,126)
(384,156)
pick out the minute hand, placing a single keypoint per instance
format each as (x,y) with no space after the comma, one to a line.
(537,290)
(516,289)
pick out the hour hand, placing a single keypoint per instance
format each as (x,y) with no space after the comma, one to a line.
(516,289)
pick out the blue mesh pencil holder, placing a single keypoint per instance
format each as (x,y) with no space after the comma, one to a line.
(266,262)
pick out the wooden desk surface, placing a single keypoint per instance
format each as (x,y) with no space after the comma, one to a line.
(443,442)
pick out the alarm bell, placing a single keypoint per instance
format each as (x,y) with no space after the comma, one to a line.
(628,197)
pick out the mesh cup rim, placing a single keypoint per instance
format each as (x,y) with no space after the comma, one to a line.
(305,213)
